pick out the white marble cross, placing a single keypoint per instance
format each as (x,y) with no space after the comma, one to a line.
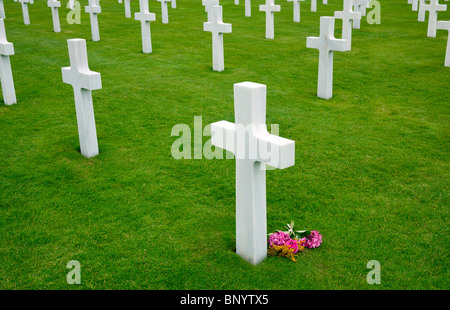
(236,2)
(253,148)
(348,17)
(26,16)
(270,8)
(54,5)
(324,1)
(326,44)
(126,4)
(445,25)
(313,5)
(217,27)
(164,11)
(6,50)
(173,4)
(296,10)
(433,8)
(93,9)
(248,8)
(2,10)
(208,4)
(359,6)
(83,82)
(145,17)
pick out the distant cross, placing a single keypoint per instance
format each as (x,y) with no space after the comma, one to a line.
(208,4)
(145,17)
(326,44)
(164,11)
(325,2)
(173,4)
(445,25)
(236,2)
(433,7)
(270,8)
(93,9)
(348,17)
(296,10)
(83,82)
(126,4)
(54,5)
(415,4)
(6,78)
(248,8)
(217,27)
(253,148)
(421,16)
(313,5)
(359,6)
(26,16)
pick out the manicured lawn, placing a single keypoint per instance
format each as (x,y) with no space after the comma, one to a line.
(371,173)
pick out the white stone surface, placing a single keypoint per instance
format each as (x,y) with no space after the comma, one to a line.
(253,147)
(26,16)
(126,4)
(54,5)
(325,1)
(348,17)
(173,4)
(83,81)
(326,44)
(248,8)
(296,10)
(236,2)
(207,4)
(2,10)
(6,78)
(445,25)
(421,16)
(313,5)
(164,11)
(270,8)
(217,27)
(145,17)
(415,4)
(433,8)
(94,9)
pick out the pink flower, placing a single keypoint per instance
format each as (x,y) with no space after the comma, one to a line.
(314,240)
(293,244)
(278,238)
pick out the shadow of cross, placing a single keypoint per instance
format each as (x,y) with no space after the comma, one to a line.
(83,82)
(253,148)
(6,50)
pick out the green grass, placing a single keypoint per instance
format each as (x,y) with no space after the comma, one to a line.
(371,171)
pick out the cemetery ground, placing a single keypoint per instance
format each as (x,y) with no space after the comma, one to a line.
(371,169)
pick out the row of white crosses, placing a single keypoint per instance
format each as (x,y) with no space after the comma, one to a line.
(433,7)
